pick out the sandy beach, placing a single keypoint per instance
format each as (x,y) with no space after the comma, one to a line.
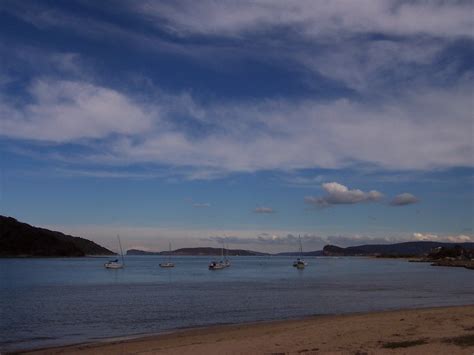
(446,330)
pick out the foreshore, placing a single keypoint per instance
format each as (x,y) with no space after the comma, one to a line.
(444,330)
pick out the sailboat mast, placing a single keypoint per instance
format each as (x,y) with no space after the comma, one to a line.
(121,251)
(301,246)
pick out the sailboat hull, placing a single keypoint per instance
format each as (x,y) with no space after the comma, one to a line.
(217,266)
(166,265)
(113,265)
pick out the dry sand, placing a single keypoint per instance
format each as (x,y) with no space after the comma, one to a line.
(447,330)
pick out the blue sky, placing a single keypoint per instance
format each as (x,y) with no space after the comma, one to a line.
(345,122)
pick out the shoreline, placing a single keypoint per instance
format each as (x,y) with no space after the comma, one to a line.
(437,330)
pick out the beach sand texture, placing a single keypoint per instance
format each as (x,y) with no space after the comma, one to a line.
(446,330)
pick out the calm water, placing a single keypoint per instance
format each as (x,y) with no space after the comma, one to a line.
(46,302)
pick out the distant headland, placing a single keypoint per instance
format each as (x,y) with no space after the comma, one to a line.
(19,239)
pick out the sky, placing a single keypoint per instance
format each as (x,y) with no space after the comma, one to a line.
(253,122)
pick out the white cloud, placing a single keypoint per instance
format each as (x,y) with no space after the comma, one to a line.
(404,199)
(338,194)
(460,238)
(264,210)
(67,111)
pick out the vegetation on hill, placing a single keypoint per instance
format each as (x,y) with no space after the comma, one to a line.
(407,249)
(452,256)
(21,239)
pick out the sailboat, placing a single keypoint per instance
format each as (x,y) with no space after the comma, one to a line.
(300,263)
(226,259)
(115,264)
(218,265)
(168,263)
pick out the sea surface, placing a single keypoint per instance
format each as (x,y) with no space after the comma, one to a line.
(48,302)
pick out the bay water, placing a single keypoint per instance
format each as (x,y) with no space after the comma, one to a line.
(48,302)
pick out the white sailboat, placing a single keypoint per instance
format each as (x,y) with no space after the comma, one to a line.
(115,264)
(168,264)
(218,265)
(300,263)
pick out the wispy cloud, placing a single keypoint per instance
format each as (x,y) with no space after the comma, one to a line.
(264,210)
(110,174)
(338,194)
(313,19)
(201,205)
(334,40)
(404,199)
(304,181)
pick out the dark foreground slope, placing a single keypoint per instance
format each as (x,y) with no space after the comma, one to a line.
(21,239)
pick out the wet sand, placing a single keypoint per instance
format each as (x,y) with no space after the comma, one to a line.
(445,330)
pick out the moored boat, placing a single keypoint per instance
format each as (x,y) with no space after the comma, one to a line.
(300,263)
(116,264)
(168,264)
(217,265)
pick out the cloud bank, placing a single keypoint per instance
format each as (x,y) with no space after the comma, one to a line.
(311,241)
(249,136)
(399,74)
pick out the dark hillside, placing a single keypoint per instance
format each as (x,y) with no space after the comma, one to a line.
(21,239)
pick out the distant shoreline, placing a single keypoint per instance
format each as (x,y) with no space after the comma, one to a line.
(467,264)
(56,257)
(425,330)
